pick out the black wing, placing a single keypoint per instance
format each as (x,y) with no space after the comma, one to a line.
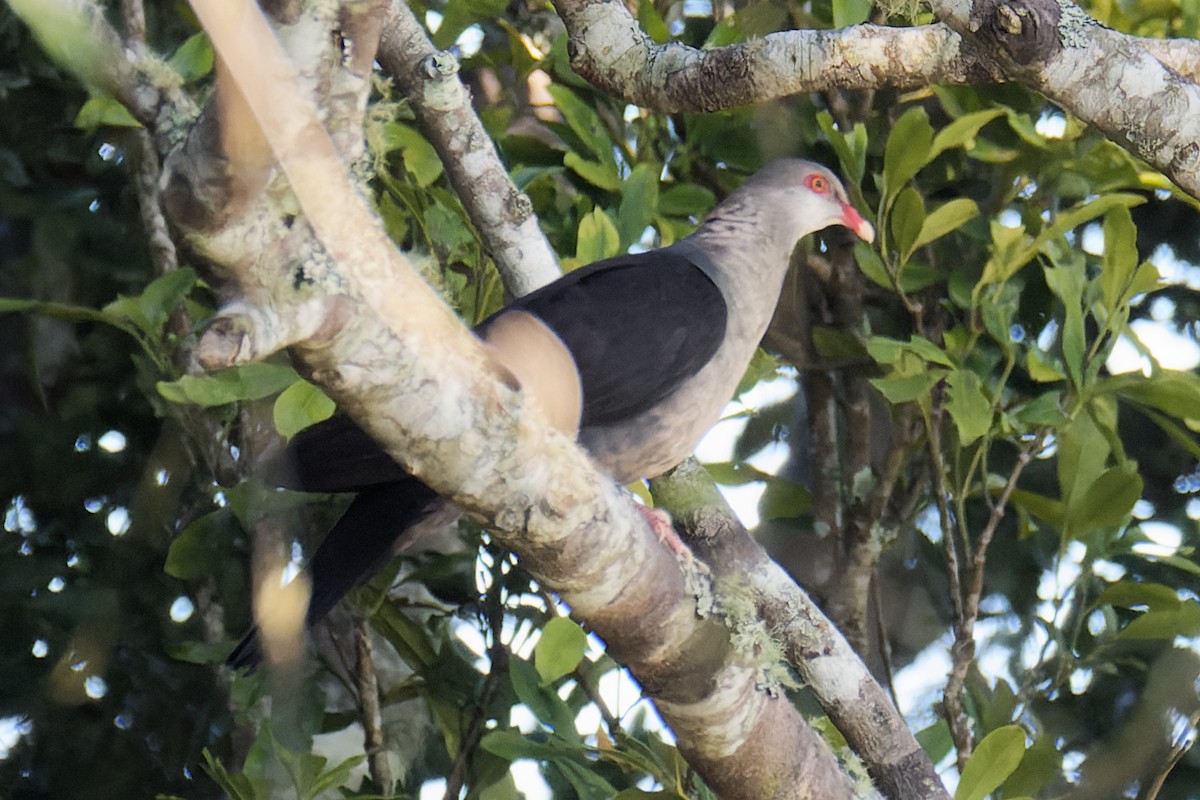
(637,326)
(337,456)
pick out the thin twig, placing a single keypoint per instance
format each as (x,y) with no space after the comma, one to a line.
(497,669)
(963,650)
(1178,750)
(372,714)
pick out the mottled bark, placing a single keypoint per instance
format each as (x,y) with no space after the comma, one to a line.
(502,214)
(812,644)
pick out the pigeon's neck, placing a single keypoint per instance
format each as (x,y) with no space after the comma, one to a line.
(746,258)
(742,250)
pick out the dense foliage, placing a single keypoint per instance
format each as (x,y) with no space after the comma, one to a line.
(1021,257)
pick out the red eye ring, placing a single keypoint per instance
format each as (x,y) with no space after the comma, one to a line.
(817,183)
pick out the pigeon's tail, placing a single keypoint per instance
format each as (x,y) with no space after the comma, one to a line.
(358,546)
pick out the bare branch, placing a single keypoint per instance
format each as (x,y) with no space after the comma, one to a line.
(372,713)
(827,664)
(609,49)
(1101,76)
(502,214)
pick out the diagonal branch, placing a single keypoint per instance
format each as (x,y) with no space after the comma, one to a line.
(812,644)
(502,214)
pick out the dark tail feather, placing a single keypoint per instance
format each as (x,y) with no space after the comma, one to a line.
(357,547)
(337,456)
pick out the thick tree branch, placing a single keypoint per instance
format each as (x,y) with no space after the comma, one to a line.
(1099,75)
(502,214)
(609,49)
(827,664)
(1049,46)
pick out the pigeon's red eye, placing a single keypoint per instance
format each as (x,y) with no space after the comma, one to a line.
(817,184)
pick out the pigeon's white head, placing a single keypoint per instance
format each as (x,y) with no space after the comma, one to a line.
(798,197)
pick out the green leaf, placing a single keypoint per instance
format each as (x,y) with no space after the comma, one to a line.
(542,701)
(252,499)
(851,12)
(411,640)
(1120,256)
(447,230)
(652,23)
(871,265)
(961,132)
(201,549)
(603,176)
(1042,367)
(1011,250)
(1043,410)
(194,58)
(686,200)
(783,499)
(936,740)
(63,311)
(1179,562)
(851,149)
(908,388)
(245,382)
(969,407)
(70,35)
(946,218)
(300,405)
(1044,508)
(559,649)
(1108,502)
(1079,214)
(237,787)
(421,161)
(994,759)
(1184,620)
(103,111)
(906,219)
(1068,282)
(335,776)
(884,349)
(586,782)
(735,473)
(1133,594)
(1083,450)
(150,310)
(639,200)
(597,238)
(1174,393)
(836,344)
(888,351)
(908,149)
(513,745)
(585,122)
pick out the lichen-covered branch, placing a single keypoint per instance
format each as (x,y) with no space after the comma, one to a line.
(609,49)
(501,213)
(1103,77)
(812,644)
(1050,46)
